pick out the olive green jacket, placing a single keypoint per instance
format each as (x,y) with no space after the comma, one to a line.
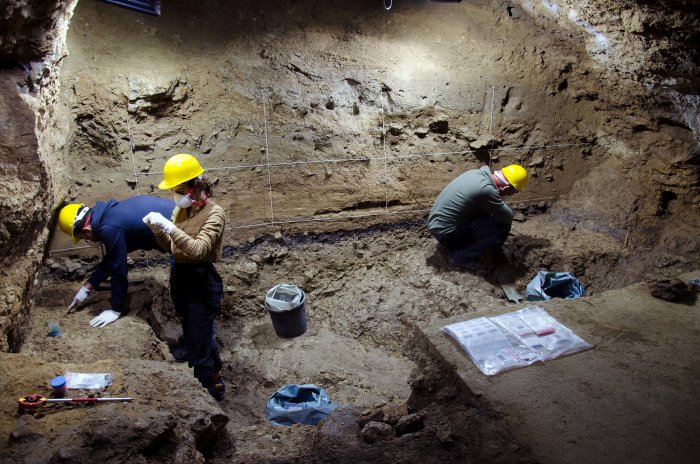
(467,197)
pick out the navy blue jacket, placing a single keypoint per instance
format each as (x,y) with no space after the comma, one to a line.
(119,226)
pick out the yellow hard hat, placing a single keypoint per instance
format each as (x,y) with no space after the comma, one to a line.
(178,169)
(66,218)
(516,175)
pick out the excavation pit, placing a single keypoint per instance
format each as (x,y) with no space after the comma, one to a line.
(385,350)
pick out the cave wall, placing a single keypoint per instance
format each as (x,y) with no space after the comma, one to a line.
(31,48)
(653,143)
(445,85)
(651,42)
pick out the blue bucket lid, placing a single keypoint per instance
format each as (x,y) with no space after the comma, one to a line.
(57,382)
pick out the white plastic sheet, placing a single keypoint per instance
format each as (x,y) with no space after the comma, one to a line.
(515,339)
(88,381)
(283,297)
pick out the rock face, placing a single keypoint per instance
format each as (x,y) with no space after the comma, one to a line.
(150,96)
(294,124)
(22,207)
(31,48)
(651,42)
(30,30)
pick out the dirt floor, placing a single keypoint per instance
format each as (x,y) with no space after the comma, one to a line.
(366,290)
(632,398)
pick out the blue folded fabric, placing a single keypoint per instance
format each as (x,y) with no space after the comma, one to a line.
(547,285)
(299,404)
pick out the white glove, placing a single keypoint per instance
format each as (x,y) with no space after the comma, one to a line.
(106,317)
(147,219)
(158,220)
(81,296)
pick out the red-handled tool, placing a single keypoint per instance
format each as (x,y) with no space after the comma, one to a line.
(34,401)
(539,333)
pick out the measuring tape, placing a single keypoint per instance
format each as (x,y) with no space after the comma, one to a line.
(34,401)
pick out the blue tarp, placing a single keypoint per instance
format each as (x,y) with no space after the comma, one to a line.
(299,404)
(547,285)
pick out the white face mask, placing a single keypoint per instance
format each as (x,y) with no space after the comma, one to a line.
(183,201)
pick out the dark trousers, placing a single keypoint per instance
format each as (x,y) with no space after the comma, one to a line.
(473,239)
(197,291)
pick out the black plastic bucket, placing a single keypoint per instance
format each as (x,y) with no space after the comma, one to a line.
(289,323)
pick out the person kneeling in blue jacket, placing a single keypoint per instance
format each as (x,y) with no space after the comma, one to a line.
(119,227)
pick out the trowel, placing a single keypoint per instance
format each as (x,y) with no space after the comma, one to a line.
(511,293)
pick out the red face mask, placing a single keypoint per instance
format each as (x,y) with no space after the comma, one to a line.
(504,188)
(201,202)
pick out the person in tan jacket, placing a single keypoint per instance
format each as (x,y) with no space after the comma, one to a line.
(194,236)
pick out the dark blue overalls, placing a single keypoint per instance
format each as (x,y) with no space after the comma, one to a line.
(197,291)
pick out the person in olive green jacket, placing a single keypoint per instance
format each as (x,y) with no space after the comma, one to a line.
(469,216)
(194,235)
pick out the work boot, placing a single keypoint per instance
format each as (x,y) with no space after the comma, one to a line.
(468,264)
(180,351)
(218,390)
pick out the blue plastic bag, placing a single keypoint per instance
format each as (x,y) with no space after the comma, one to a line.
(299,404)
(547,285)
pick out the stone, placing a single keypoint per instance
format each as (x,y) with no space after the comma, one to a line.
(409,424)
(482,142)
(394,412)
(632,20)
(421,132)
(537,161)
(370,415)
(669,290)
(439,127)
(247,271)
(375,432)
(395,129)
(151,94)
